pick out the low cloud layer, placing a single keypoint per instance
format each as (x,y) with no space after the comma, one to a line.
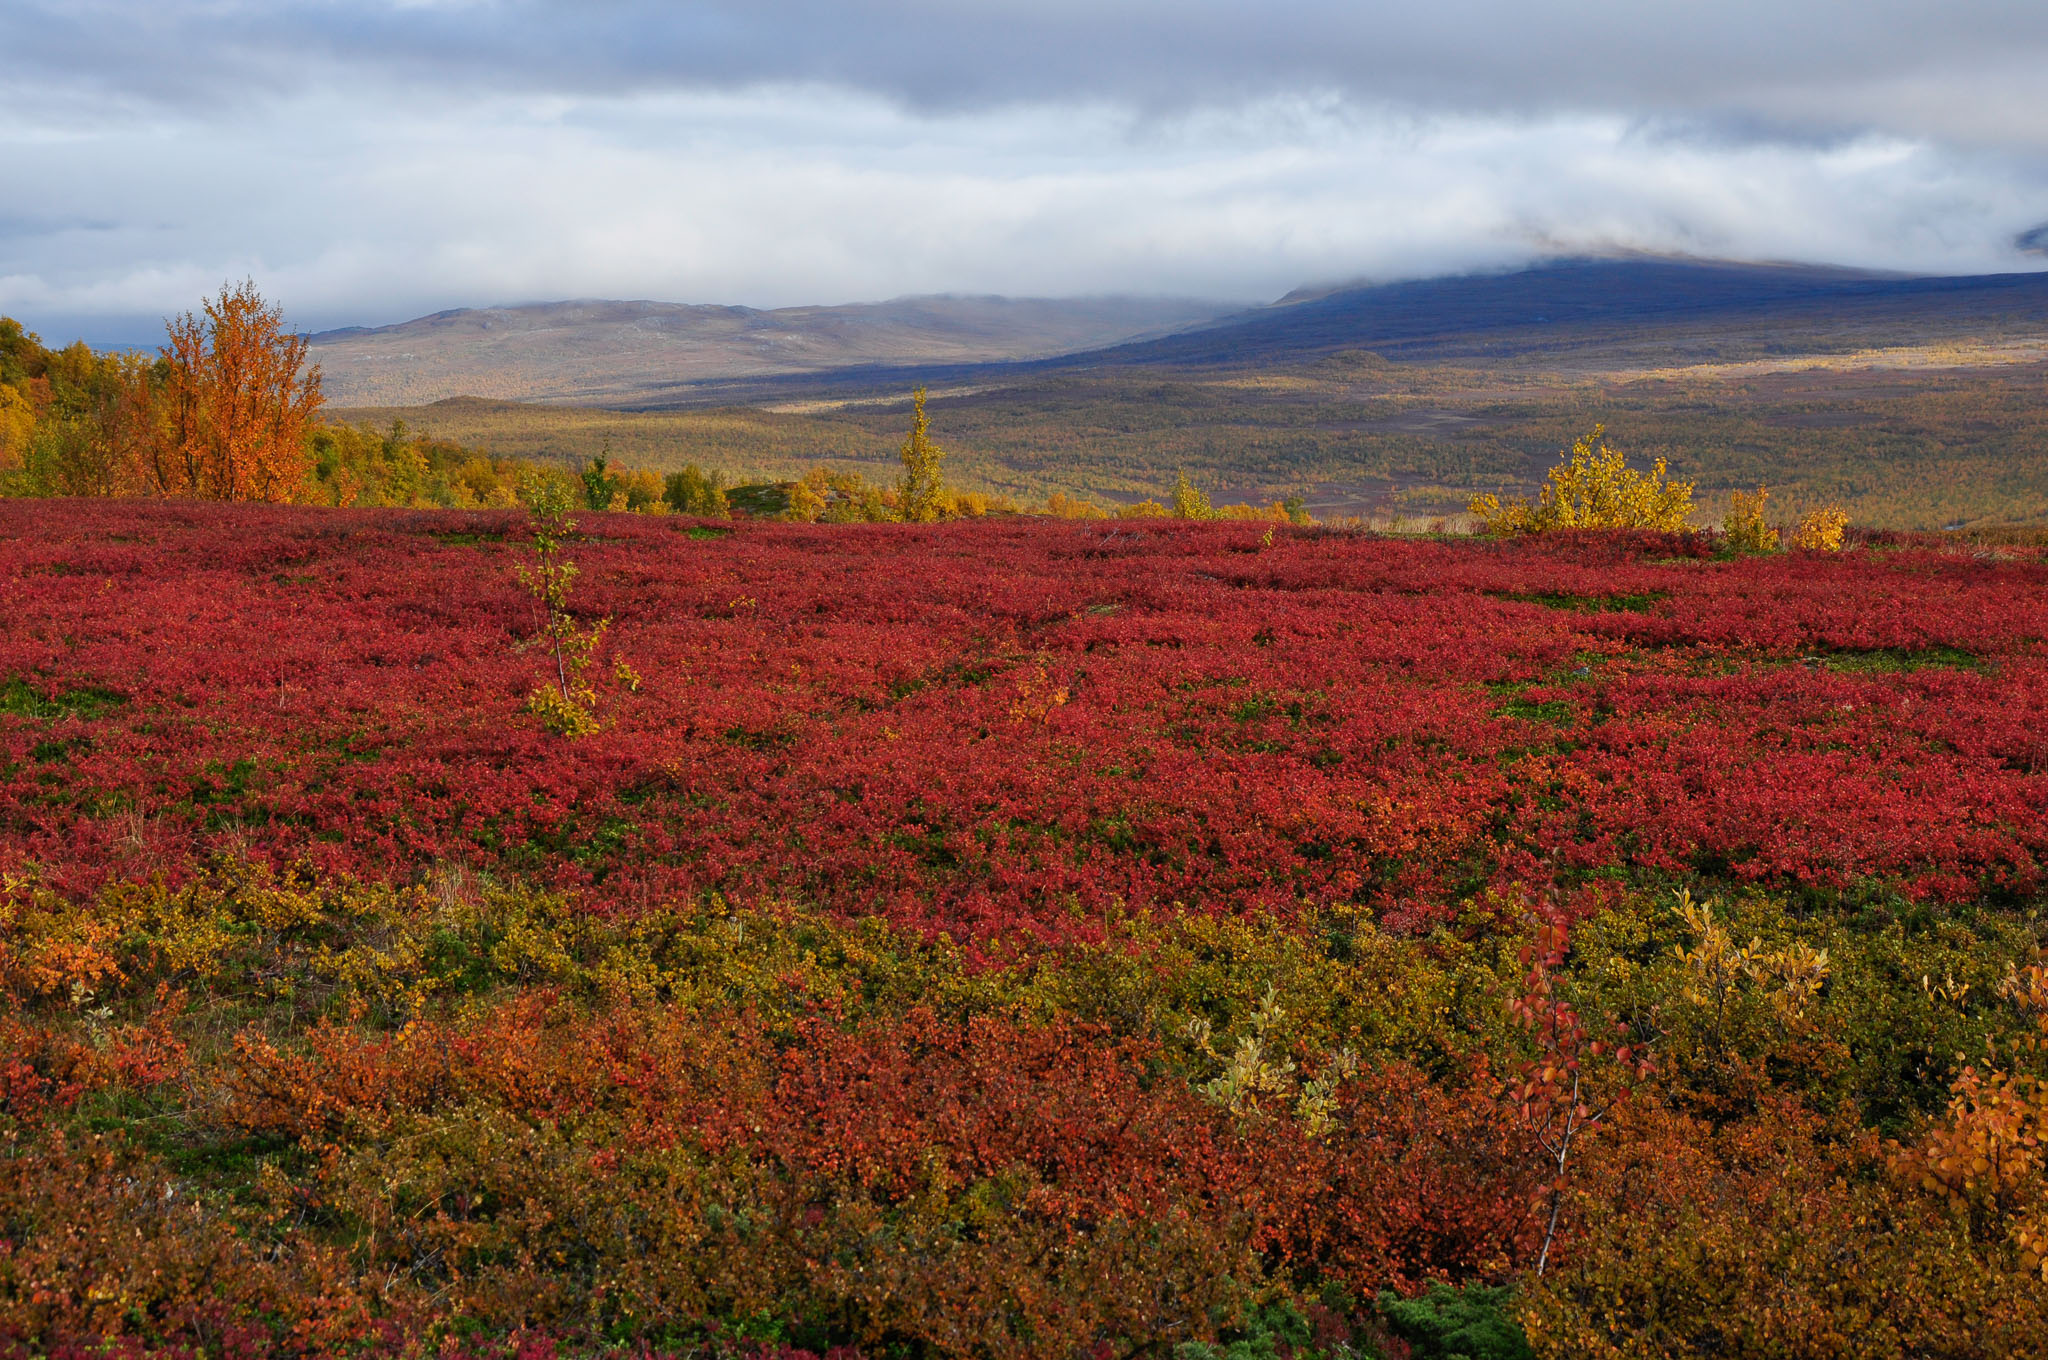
(369,162)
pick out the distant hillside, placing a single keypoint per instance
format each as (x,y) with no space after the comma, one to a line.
(599,352)
(1569,319)
(1913,402)
(1603,313)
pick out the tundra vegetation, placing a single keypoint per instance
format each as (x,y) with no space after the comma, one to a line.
(544,931)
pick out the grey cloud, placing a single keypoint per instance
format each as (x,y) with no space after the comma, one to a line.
(21,225)
(777,197)
(1903,65)
(371,161)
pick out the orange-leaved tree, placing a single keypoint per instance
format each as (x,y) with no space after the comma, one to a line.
(237,402)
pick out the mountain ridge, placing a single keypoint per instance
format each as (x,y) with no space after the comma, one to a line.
(1583,315)
(593,349)
(1568,304)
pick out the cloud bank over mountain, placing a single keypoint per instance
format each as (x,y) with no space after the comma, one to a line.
(370,161)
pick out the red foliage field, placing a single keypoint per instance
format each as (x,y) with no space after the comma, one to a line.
(870,720)
(1017,939)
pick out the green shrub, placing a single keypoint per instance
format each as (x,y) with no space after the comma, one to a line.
(1473,1323)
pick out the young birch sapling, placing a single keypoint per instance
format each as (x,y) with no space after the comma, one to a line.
(565,701)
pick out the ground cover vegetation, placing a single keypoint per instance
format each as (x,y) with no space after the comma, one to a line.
(1015,938)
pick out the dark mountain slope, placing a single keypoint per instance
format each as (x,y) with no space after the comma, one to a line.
(1577,305)
(1574,316)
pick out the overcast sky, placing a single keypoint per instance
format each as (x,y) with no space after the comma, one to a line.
(366,161)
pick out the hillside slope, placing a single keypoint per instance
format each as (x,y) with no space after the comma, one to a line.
(1569,317)
(600,351)
(1663,311)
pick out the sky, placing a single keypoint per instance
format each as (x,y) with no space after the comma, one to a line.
(367,161)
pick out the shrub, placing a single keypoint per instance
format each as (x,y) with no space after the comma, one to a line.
(1273,512)
(566,706)
(1062,506)
(1821,530)
(600,484)
(1594,488)
(806,503)
(1777,1236)
(1745,526)
(923,491)
(693,491)
(642,491)
(1473,1323)
(17,423)
(1267,1334)
(1189,500)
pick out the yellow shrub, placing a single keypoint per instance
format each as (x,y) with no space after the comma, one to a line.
(1594,488)
(806,503)
(17,423)
(1190,501)
(1062,506)
(1273,513)
(1821,530)
(1745,525)
(642,492)
(573,714)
